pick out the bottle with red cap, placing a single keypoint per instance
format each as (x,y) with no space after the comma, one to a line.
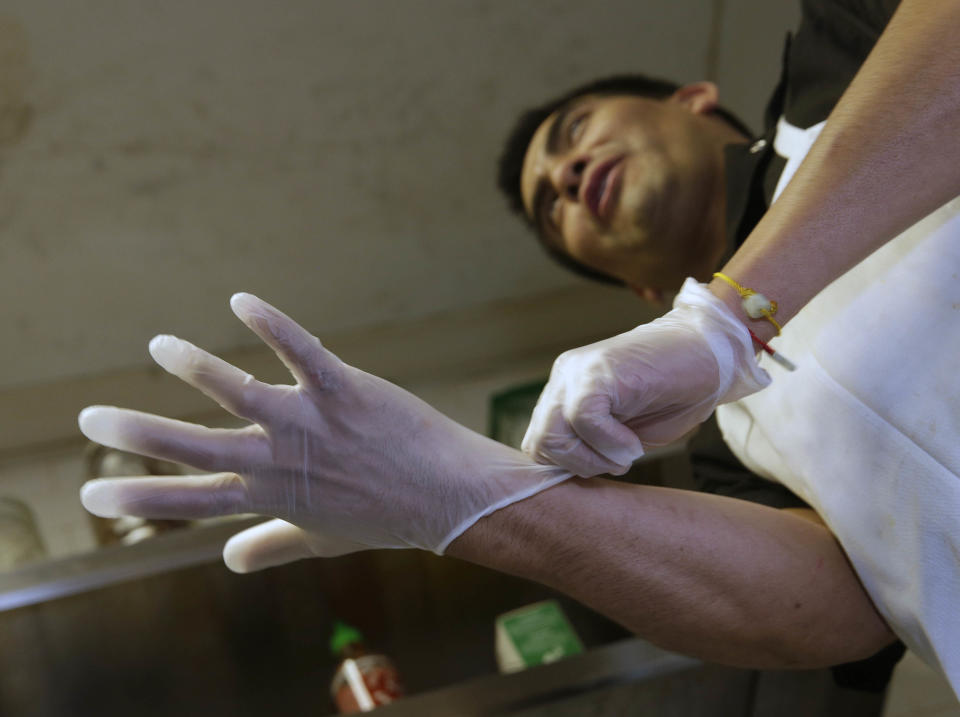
(363,680)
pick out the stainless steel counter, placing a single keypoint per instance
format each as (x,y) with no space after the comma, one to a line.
(107,566)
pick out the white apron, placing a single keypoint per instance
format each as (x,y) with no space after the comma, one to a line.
(867,429)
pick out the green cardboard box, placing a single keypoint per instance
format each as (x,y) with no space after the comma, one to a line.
(534,635)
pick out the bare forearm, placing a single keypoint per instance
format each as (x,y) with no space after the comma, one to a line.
(717,578)
(886,158)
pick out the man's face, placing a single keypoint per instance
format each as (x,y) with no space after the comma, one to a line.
(631,186)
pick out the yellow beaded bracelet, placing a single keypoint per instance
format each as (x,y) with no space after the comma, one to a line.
(754,303)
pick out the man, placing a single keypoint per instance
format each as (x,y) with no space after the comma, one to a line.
(719,578)
(347,461)
(642,182)
(847,430)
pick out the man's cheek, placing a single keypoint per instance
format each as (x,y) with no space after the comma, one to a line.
(599,251)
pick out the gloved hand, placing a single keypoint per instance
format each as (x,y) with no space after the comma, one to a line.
(647,387)
(345,460)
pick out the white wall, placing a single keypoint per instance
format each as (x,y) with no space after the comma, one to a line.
(336,157)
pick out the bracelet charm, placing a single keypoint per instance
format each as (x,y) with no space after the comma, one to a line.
(757,306)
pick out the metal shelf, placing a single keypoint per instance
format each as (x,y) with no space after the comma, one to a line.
(53,579)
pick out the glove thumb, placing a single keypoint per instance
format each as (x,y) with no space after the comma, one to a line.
(277,542)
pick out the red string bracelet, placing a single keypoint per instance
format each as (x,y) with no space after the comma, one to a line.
(779,358)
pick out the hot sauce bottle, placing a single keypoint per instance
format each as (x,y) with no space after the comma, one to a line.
(363,680)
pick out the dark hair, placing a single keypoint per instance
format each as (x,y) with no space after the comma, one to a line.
(511,159)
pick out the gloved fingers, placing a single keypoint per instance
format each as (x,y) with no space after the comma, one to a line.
(543,418)
(569,452)
(236,390)
(167,497)
(579,458)
(315,368)
(277,542)
(560,446)
(591,420)
(209,449)
(550,439)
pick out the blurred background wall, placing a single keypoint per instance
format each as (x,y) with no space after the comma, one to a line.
(335,157)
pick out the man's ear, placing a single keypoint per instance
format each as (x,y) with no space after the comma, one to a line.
(654,296)
(699,97)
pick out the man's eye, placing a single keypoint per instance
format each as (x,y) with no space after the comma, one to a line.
(553,211)
(575,129)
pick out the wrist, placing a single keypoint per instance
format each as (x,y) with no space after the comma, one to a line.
(488,477)
(511,539)
(727,337)
(761,328)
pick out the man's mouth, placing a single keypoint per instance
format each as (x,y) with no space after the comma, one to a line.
(603,187)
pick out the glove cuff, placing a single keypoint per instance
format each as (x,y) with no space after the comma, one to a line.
(552,476)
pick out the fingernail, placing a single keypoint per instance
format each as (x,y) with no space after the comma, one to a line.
(90,420)
(162,347)
(243,303)
(95,495)
(100,424)
(157,341)
(85,416)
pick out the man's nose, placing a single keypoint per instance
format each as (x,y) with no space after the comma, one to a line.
(567,175)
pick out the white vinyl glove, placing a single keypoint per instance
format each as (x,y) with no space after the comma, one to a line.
(345,460)
(647,387)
